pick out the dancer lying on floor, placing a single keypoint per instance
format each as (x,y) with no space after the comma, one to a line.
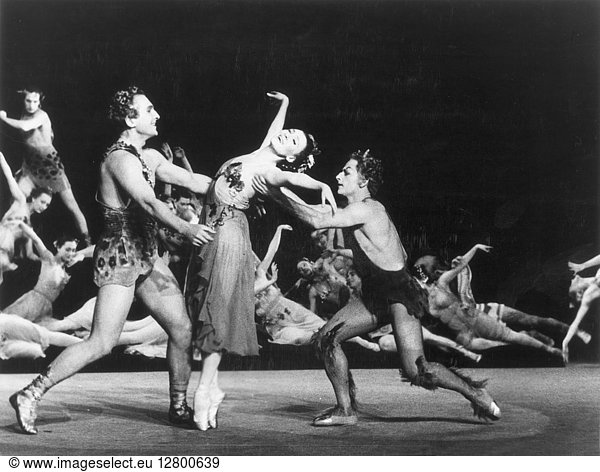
(390,294)
(471,328)
(286,321)
(36,304)
(21,338)
(515,319)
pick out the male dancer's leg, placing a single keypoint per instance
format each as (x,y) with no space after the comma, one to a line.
(409,339)
(352,320)
(161,295)
(111,310)
(69,200)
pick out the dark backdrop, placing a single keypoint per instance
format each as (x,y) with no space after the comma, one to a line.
(484,112)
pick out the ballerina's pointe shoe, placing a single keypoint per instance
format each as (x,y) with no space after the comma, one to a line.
(216,398)
(201,407)
(25,406)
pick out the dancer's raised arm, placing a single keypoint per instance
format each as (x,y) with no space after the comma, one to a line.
(37,120)
(272,249)
(576,268)
(13,186)
(459,263)
(279,120)
(42,250)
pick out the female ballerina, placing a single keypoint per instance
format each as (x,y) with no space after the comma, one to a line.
(220,275)
(42,166)
(36,305)
(20,210)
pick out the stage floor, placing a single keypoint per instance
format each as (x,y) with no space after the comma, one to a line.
(546,411)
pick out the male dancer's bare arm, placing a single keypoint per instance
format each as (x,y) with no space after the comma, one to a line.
(169,173)
(26,125)
(127,172)
(318,216)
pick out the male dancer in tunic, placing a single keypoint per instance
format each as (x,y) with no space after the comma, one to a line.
(42,166)
(390,294)
(126,263)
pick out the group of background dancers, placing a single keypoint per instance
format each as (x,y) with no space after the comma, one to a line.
(179,243)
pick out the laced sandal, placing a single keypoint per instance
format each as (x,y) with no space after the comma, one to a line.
(484,406)
(182,416)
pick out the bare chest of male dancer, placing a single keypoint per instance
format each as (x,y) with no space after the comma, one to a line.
(40,136)
(379,239)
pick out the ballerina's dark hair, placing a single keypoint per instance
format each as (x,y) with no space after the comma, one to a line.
(305,159)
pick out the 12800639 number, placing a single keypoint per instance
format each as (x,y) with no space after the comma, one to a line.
(192,462)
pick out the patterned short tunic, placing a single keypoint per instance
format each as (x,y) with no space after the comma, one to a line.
(44,167)
(127,248)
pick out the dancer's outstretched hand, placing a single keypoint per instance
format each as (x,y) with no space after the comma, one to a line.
(327,197)
(201,234)
(286,227)
(575,268)
(483,247)
(277,96)
(274,271)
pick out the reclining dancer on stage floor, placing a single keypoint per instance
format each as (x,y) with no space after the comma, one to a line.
(126,262)
(516,320)
(472,328)
(390,294)
(286,321)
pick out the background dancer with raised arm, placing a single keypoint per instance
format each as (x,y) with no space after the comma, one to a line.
(390,294)
(126,262)
(42,166)
(220,277)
